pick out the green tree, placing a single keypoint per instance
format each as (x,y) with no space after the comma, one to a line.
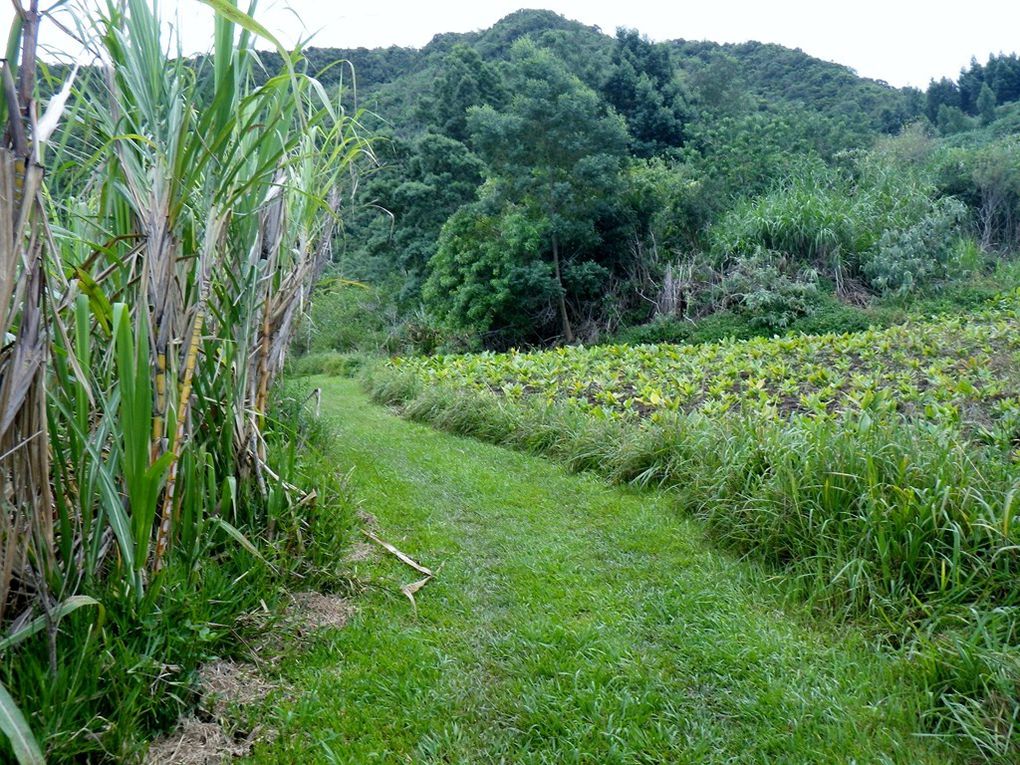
(555,149)
(466,81)
(951,119)
(944,92)
(642,86)
(485,277)
(391,234)
(986,104)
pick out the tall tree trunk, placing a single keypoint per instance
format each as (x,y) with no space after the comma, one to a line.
(568,333)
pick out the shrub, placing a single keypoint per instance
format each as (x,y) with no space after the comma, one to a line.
(347,317)
(919,253)
(328,363)
(758,288)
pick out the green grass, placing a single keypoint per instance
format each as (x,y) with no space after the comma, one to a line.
(570,622)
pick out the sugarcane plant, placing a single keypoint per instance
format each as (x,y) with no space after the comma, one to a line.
(148,305)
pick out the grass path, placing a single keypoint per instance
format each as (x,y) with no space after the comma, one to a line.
(571,623)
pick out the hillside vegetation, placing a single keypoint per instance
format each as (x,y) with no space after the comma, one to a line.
(543,182)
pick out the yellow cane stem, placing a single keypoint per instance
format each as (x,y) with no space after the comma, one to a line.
(159,422)
(262,397)
(166,518)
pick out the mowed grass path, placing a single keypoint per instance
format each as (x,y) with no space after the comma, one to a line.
(571,622)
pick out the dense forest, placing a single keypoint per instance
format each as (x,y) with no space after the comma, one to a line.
(542,181)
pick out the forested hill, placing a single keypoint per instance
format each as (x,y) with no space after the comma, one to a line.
(777,74)
(543,181)
(392,80)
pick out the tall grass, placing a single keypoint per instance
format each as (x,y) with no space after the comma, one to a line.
(147,308)
(911,525)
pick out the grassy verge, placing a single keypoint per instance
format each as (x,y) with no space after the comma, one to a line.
(569,622)
(908,524)
(129,671)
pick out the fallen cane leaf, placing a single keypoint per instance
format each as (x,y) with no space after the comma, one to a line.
(404,558)
(410,589)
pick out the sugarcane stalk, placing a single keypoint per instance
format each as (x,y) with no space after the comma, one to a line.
(183,400)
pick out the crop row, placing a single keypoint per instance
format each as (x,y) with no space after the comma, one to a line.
(962,369)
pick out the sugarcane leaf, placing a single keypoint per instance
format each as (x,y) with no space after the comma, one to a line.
(13,724)
(232,13)
(66,607)
(241,539)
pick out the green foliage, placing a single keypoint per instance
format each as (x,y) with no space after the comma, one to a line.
(919,253)
(717,327)
(777,75)
(329,363)
(951,119)
(346,317)
(553,152)
(668,203)
(931,370)
(944,93)
(887,226)
(986,104)
(642,86)
(488,274)
(810,218)
(1000,75)
(550,112)
(467,81)
(552,128)
(758,287)
(393,237)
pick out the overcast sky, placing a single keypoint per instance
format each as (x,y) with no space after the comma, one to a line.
(904,42)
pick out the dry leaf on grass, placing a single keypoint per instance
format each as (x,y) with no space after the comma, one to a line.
(401,556)
(410,589)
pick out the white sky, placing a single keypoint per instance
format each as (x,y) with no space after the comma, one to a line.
(905,42)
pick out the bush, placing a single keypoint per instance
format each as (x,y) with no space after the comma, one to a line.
(831,316)
(725,325)
(918,254)
(758,288)
(329,363)
(662,329)
(815,218)
(885,224)
(346,317)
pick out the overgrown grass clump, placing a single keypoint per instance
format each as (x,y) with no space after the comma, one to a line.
(131,669)
(897,515)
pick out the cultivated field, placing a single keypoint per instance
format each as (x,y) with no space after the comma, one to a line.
(957,369)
